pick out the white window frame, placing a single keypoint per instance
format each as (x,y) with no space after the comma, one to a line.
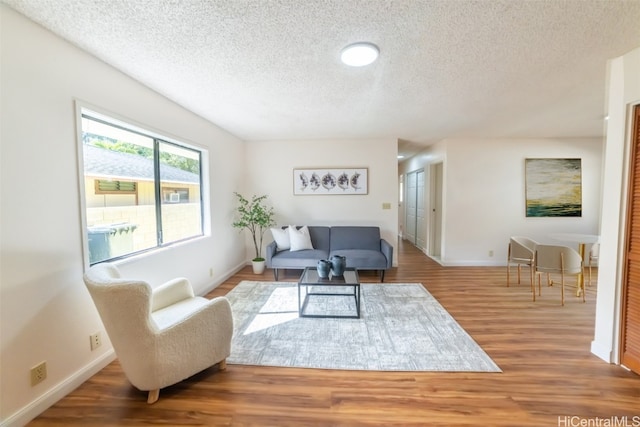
(81,108)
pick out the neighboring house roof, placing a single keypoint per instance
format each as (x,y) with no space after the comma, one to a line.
(103,162)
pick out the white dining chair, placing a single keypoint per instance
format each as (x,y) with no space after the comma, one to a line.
(521,252)
(552,259)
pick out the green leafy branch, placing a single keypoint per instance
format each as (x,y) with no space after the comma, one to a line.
(256,217)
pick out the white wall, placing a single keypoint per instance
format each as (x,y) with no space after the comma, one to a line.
(624,93)
(46,312)
(270,167)
(484,194)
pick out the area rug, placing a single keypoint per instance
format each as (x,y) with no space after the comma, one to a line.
(402,328)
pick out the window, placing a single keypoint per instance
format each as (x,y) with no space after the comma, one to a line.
(142,191)
(108,186)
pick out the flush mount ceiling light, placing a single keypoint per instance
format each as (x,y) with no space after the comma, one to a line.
(359,54)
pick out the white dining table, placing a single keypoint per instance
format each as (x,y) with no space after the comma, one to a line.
(581,240)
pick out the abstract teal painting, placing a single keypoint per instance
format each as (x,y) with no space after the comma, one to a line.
(553,187)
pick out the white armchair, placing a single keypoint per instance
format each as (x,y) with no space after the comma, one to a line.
(161,336)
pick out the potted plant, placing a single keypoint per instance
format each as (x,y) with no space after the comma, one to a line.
(256,217)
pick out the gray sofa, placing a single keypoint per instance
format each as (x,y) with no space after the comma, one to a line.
(361,245)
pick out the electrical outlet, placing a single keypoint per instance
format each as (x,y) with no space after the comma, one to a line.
(38,373)
(490,253)
(96,340)
(211,272)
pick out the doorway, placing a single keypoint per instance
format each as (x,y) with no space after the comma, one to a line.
(415,220)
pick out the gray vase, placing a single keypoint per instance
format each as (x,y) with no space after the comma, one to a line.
(338,264)
(324,267)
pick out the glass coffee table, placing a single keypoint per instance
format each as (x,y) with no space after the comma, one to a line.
(347,285)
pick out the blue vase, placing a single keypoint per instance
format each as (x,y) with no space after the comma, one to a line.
(338,264)
(324,267)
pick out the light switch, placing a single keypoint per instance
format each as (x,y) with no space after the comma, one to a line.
(386,206)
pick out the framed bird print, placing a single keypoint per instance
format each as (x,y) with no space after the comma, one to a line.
(333,181)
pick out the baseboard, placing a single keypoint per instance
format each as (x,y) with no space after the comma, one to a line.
(225,276)
(53,395)
(602,351)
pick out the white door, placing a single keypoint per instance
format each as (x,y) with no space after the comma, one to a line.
(410,208)
(435,219)
(415,224)
(421,220)
(401,213)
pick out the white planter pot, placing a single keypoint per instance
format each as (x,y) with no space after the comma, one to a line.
(258,267)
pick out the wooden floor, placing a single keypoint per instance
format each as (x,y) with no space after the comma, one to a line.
(549,376)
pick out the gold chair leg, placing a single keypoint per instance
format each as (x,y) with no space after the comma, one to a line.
(533,285)
(540,285)
(533,291)
(508,268)
(222,365)
(153,396)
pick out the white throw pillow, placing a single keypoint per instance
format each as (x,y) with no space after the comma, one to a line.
(299,239)
(281,236)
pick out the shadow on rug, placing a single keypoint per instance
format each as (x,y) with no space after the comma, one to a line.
(402,328)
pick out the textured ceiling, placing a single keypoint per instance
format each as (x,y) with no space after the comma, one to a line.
(270,69)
